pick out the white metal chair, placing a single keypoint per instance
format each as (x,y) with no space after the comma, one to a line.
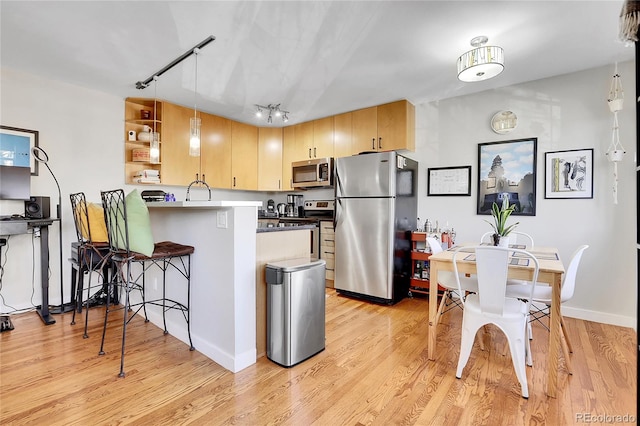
(490,305)
(542,294)
(447,281)
(515,237)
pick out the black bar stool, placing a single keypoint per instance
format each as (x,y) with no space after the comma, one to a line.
(119,211)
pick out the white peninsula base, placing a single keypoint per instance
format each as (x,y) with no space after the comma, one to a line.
(223,276)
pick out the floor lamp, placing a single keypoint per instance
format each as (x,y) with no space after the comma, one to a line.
(41,156)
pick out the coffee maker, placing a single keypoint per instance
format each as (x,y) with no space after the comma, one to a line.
(295,205)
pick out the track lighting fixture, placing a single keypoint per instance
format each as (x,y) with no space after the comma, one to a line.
(273,111)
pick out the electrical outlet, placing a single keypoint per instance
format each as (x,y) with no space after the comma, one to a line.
(222,219)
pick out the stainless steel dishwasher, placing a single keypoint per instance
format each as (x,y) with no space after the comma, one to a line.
(295,310)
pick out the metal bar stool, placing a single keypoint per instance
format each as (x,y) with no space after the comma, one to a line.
(119,211)
(90,253)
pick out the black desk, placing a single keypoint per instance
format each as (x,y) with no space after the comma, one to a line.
(22,226)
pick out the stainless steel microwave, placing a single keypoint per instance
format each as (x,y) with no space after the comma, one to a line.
(315,173)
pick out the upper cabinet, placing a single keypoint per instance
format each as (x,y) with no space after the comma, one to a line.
(396,126)
(139,113)
(385,127)
(288,155)
(178,167)
(244,156)
(215,151)
(342,131)
(322,138)
(236,155)
(270,158)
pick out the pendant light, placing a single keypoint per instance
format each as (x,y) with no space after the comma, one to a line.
(194,140)
(154,141)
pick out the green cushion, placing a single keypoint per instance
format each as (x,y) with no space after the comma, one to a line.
(139,224)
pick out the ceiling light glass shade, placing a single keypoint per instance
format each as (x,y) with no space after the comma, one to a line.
(194,140)
(481,63)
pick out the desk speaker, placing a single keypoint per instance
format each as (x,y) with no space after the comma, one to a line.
(37,208)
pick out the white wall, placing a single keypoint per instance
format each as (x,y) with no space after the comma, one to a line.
(564,112)
(82,131)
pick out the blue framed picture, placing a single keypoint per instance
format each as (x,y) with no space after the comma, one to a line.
(15,148)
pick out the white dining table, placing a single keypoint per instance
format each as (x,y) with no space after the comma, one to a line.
(550,272)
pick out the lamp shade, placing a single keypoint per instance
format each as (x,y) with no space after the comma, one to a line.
(481,63)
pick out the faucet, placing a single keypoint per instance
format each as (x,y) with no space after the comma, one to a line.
(196,182)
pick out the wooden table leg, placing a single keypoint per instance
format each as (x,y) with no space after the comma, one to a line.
(433,308)
(554,337)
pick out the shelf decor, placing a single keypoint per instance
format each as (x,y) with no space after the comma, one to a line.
(569,174)
(449,181)
(507,169)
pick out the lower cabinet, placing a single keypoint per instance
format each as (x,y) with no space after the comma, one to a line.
(419,263)
(327,249)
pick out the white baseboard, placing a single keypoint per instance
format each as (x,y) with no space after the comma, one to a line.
(602,317)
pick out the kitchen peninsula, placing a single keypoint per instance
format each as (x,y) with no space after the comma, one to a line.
(223,276)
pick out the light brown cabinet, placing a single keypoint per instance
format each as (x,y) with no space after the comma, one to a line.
(178,167)
(288,155)
(322,138)
(134,124)
(269,158)
(328,250)
(342,124)
(385,127)
(244,156)
(216,151)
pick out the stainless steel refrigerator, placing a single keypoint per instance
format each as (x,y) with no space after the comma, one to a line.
(376,207)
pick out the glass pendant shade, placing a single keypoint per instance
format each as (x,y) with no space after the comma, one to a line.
(154,148)
(194,140)
(481,63)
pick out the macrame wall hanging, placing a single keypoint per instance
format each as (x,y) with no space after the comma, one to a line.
(615,151)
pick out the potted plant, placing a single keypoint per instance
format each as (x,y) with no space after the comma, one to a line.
(500,215)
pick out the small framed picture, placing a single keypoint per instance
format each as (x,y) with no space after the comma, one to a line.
(449,181)
(569,174)
(15,148)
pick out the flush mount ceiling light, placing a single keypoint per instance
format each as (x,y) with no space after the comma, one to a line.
(481,63)
(271,111)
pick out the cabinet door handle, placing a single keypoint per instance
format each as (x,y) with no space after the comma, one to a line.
(309,152)
(234,181)
(373,143)
(279,184)
(379,143)
(197,176)
(203,179)
(314,152)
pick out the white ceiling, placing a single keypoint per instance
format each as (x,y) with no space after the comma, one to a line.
(315,58)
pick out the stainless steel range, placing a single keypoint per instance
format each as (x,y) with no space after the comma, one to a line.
(314,212)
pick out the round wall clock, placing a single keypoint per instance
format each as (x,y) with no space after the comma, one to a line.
(504,122)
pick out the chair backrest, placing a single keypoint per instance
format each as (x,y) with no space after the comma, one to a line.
(115,212)
(434,245)
(515,237)
(492,265)
(80,216)
(569,282)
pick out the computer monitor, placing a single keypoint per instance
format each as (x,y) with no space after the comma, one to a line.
(15,183)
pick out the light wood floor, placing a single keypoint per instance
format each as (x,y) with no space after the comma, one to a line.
(374,370)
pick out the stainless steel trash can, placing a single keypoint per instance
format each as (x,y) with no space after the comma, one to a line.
(295,310)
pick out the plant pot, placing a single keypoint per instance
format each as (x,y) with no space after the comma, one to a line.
(616,105)
(616,154)
(500,240)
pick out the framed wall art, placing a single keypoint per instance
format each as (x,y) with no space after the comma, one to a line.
(15,148)
(449,181)
(568,174)
(507,169)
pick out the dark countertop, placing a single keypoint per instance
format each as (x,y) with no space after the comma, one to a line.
(285,228)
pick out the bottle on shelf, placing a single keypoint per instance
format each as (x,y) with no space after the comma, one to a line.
(417,273)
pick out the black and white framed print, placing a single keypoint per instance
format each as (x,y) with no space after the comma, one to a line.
(568,174)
